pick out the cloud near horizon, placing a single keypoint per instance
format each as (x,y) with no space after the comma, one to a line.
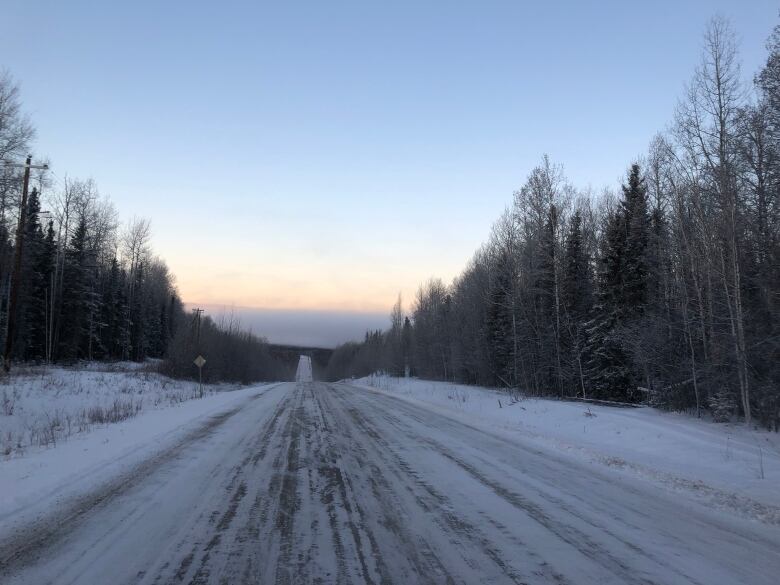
(308,328)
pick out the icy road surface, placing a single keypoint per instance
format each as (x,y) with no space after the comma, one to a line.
(315,483)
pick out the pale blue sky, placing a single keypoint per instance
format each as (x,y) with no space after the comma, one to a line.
(328,154)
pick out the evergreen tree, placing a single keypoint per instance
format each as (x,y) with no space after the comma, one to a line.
(548,301)
(123,339)
(577,284)
(406,345)
(138,317)
(622,293)
(76,296)
(161,343)
(31,316)
(154,311)
(40,306)
(111,311)
(633,295)
(607,363)
(500,330)
(577,301)
(175,313)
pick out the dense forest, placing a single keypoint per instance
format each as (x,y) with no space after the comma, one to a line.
(90,287)
(665,292)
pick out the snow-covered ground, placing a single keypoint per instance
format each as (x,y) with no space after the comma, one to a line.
(65,430)
(316,483)
(42,406)
(725,465)
(383,480)
(32,485)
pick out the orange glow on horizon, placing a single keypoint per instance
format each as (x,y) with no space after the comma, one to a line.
(276,278)
(367,296)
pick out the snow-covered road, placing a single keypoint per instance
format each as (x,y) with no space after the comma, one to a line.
(316,483)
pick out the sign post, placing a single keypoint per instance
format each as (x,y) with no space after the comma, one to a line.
(200,361)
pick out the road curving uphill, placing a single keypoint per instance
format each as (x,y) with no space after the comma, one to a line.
(304,371)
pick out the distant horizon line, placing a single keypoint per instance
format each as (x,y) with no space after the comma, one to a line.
(226,306)
(311,328)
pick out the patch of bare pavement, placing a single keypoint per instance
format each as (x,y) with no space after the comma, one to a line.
(317,483)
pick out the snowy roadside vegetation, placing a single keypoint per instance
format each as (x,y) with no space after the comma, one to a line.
(42,406)
(89,289)
(726,465)
(662,290)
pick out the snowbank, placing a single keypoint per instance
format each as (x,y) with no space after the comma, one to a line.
(42,406)
(31,484)
(727,465)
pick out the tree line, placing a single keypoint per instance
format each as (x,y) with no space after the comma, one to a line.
(232,353)
(664,292)
(91,287)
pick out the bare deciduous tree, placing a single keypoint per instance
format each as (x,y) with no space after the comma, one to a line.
(16,130)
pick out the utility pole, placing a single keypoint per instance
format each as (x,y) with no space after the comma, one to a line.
(17,270)
(199,361)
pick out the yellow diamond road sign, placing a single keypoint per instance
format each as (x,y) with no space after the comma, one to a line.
(199,361)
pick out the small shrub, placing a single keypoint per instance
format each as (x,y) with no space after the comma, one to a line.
(9,402)
(458,395)
(722,406)
(120,410)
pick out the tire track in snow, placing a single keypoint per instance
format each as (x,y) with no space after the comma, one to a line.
(620,522)
(219,555)
(467,537)
(334,485)
(425,566)
(27,543)
(565,532)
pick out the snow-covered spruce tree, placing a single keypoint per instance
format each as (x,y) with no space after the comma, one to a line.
(500,330)
(31,317)
(577,301)
(124,337)
(622,294)
(41,297)
(110,309)
(138,314)
(635,270)
(77,298)
(407,343)
(577,284)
